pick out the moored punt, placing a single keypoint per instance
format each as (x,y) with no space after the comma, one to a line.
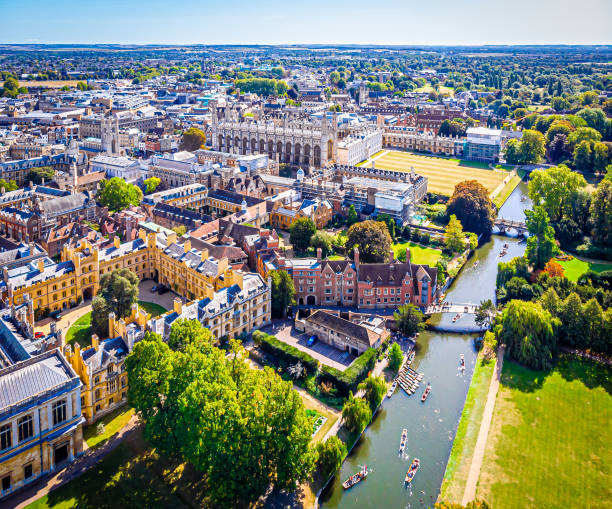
(356,478)
(403,440)
(411,357)
(392,389)
(414,466)
(426,393)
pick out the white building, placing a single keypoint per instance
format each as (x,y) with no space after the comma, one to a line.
(356,148)
(118,166)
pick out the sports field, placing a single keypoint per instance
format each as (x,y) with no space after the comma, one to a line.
(443,174)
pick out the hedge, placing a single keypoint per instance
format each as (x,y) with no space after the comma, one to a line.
(285,353)
(348,380)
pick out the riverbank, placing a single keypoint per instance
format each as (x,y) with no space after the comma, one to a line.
(458,466)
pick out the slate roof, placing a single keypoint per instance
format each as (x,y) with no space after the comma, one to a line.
(109,351)
(344,327)
(34,378)
(231,197)
(64,204)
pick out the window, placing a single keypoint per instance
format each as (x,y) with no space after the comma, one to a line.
(59,412)
(112,385)
(6,483)
(109,370)
(5,437)
(25,427)
(27,471)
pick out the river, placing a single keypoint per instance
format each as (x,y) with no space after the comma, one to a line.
(431,425)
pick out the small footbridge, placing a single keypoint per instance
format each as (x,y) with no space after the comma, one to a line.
(504,226)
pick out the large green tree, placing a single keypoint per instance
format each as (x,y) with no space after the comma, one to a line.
(454,236)
(151,184)
(300,233)
(193,139)
(373,240)
(117,194)
(283,293)
(396,357)
(119,289)
(409,320)
(601,213)
(471,204)
(553,188)
(541,245)
(529,333)
(374,389)
(356,414)
(244,429)
(40,173)
(322,239)
(188,332)
(330,455)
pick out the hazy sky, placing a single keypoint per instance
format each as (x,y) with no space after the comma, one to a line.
(409,22)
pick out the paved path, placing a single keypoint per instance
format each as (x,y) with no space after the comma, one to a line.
(42,487)
(69,316)
(472,481)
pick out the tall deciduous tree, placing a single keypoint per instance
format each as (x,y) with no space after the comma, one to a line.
(541,245)
(532,147)
(322,239)
(151,184)
(193,139)
(37,175)
(188,332)
(471,204)
(119,289)
(395,357)
(454,236)
(374,389)
(117,194)
(330,455)
(553,188)
(408,319)
(356,414)
(283,293)
(373,240)
(352,217)
(301,231)
(601,213)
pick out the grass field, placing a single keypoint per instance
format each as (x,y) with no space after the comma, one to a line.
(50,84)
(80,331)
(419,254)
(113,423)
(549,442)
(443,174)
(503,195)
(574,268)
(458,466)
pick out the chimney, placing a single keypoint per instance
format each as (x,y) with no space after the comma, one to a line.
(356,257)
(95,342)
(407,255)
(41,264)
(319,254)
(391,255)
(52,328)
(187,246)
(178,306)
(116,242)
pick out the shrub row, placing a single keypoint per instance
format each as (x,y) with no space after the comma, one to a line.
(348,380)
(285,353)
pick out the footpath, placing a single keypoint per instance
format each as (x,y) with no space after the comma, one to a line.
(481,442)
(45,485)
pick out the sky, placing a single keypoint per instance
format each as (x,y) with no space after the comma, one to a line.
(384,22)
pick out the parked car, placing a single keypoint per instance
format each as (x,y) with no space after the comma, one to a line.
(39,335)
(56,315)
(162,289)
(156,288)
(311,340)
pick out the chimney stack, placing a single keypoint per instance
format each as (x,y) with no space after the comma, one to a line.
(407,255)
(356,257)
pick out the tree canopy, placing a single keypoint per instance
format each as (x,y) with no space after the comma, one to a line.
(151,184)
(118,291)
(372,239)
(36,175)
(356,414)
(395,357)
(553,188)
(300,233)
(541,244)
(193,139)
(454,236)
(408,319)
(471,204)
(283,293)
(244,429)
(601,213)
(117,194)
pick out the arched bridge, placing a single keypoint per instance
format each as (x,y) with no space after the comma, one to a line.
(452,307)
(504,225)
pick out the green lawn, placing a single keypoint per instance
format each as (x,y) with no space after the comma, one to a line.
(458,466)
(574,268)
(113,423)
(131,476)
(80,331)
(419,254)
(549,442)
(443,173)
(503,195)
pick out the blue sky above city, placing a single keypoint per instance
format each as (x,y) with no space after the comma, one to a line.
(410,22)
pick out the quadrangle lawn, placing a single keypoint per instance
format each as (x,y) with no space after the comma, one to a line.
(419,254)
(574,268)
(443,173)
(549,441)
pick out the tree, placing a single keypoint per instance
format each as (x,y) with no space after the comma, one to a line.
(389,223)
(119,289)
(541,245)
(583,134)
(330,455)
(244,429)
(472,206)
(372,239)
(600,154)
(409,320)
(8,186)
(595,119)
(553,268)
(188,332)
(374,389)
(512,151)
(301,231)
(553,188)
(583,157)
(356,414)
(151,184)
(37,175)
(532,147)
(485,313)
(559,148)
(474,504)
(454,236)
(396,357)
(81,85)
(193,139)
(352,217)
(322,239)
(601,213)
(283,293)
(117,194)
(529,333)
(99,317)
(573,320)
